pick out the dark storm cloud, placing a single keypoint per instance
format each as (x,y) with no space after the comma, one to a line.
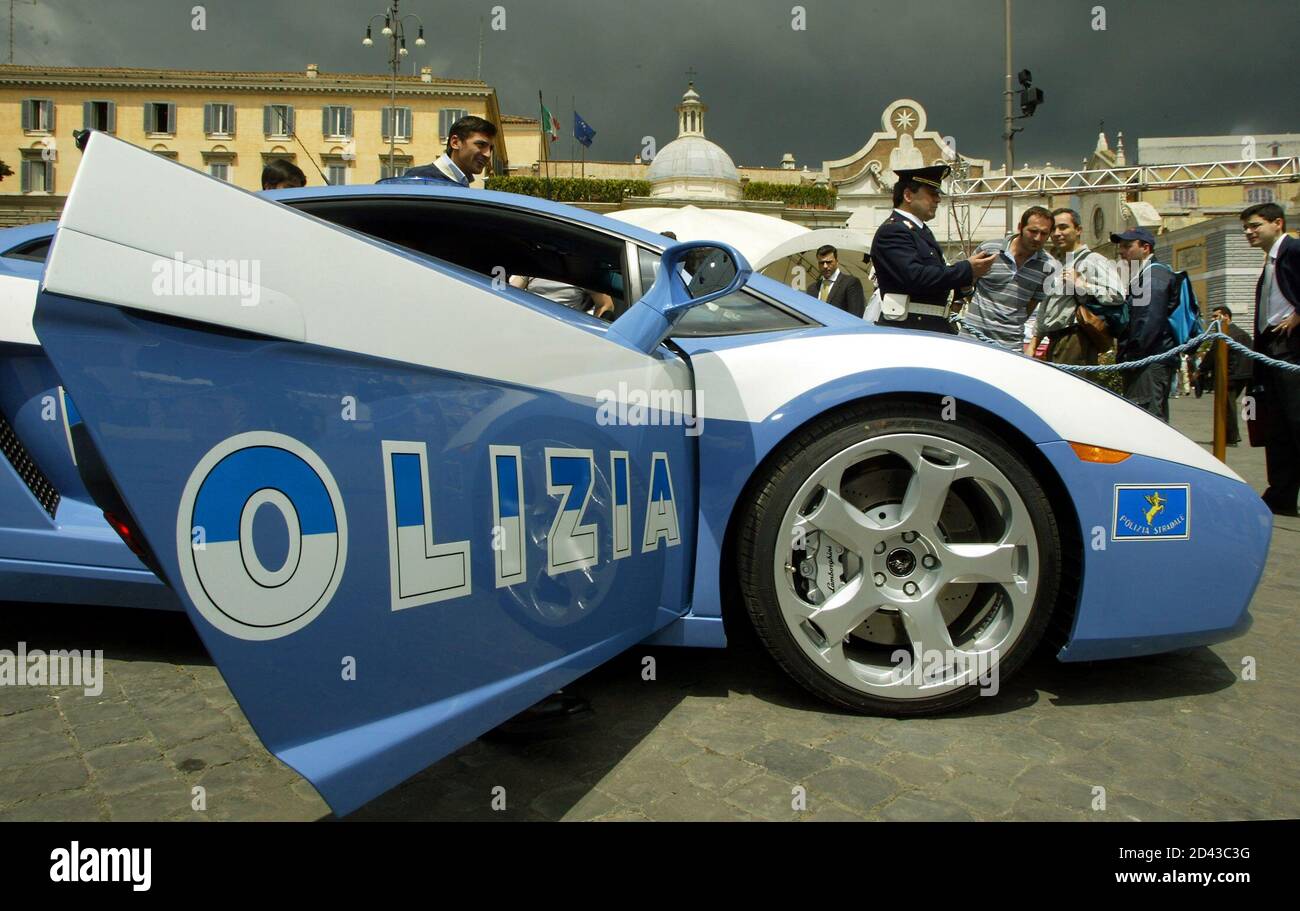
(1159,69)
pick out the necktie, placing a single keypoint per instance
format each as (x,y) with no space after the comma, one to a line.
(825,291)
(1265,296)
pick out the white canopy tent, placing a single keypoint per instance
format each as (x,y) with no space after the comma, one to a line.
(749,232)
(784,260)
(775,247)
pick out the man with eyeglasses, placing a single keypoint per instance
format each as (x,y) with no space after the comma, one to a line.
(1277,334)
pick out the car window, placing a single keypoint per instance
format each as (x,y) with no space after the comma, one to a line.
(493,240)
(32,251)
(735,314)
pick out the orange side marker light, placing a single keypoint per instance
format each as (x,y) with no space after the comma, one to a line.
(1100,454)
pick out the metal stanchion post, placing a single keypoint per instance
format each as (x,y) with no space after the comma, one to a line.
(1221,402)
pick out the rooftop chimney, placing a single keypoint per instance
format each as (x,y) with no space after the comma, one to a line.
(426,74)
(312,71)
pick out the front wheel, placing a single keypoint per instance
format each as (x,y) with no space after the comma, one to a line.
(898,564)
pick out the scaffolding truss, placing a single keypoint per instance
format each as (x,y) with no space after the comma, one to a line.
(1136,179)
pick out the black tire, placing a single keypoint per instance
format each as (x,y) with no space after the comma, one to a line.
(797,459)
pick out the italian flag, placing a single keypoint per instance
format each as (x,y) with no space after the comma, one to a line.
(550,126)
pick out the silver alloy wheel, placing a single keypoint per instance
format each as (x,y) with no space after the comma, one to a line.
(851,564)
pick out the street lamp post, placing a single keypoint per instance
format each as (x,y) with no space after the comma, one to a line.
(1008,120)
(395,31)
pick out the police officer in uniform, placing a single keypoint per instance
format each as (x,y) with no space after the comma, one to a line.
(909,262)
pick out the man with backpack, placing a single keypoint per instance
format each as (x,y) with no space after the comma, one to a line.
(1150,299)
(1083,297)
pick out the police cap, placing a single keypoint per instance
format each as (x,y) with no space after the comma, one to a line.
(932,176)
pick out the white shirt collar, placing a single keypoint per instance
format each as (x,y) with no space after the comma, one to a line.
(834,275)
(910,217)
(1277,247)
(448,167)
(1074,254)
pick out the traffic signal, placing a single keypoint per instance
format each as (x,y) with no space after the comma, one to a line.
(1030,97)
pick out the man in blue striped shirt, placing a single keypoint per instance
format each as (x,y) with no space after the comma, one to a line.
(1008,294)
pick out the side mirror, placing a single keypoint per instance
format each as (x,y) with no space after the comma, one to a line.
(689,274)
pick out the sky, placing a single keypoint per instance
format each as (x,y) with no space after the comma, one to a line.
(1157,68)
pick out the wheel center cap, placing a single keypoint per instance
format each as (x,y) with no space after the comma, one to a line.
(901,561)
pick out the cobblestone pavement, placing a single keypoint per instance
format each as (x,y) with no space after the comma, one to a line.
(718,735)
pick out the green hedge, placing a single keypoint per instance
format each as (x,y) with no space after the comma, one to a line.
(791,195)
(570,189)
(590,189)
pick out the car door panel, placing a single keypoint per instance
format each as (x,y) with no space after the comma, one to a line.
(313,501)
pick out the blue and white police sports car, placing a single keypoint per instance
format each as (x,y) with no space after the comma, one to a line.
(402,500)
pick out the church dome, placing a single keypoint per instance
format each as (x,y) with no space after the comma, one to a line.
(695,157)
(691,166)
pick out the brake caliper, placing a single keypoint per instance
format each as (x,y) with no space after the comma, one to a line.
(822,567)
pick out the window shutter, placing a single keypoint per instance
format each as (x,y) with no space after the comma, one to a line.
(87,115)
(112,117)
(171,117)
(386,123)
(207,119)
(325,120)
(49,102)
(25,180)
(447,118)
(347,122)
(408,123)
(288,119)
(49,176)
(28,114)
(150,119)
(230,119)
(268,115)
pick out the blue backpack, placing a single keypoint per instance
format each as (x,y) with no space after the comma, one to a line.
(1184,313)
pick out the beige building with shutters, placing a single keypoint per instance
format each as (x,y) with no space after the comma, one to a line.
(334,126)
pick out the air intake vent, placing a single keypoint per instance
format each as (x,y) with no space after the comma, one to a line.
(28,470)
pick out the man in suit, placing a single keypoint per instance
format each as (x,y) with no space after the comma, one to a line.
(909,260)
(836,286)
(470,143)
(1277,334)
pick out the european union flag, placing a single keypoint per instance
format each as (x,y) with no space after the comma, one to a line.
(582,130)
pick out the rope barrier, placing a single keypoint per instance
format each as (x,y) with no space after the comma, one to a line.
(1190,345)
